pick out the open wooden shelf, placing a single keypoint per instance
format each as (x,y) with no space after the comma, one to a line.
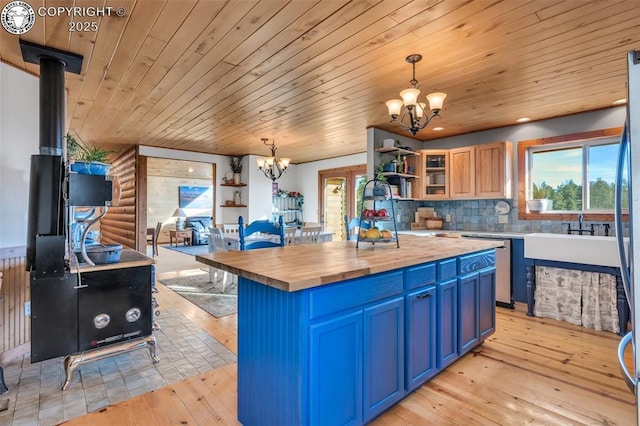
(233,184)
(233,205)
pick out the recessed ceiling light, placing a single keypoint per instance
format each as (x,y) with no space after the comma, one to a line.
(437,129)
(619,102)
(190,170)
(523,119)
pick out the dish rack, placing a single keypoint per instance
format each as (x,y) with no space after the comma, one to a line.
(377,212)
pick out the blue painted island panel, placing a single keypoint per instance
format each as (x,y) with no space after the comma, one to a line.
(343,353)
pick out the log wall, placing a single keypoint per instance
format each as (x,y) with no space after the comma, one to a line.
(119,224)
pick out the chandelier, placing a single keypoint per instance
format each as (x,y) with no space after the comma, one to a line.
(271,166)
(414,117)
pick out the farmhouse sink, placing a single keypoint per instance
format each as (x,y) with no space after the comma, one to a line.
(585,249)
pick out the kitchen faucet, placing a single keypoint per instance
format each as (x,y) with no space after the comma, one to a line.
(580,230)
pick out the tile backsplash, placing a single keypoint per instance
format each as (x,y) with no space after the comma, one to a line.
(480,215)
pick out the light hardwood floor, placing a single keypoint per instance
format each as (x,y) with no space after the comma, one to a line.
(531,371)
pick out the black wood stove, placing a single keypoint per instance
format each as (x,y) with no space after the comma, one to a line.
(85,311)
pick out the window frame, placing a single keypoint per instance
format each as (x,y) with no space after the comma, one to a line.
(563,140)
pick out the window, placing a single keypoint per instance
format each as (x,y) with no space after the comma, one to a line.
(559,174)
(576,172)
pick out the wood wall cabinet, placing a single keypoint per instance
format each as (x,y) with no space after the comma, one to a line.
(434,175)
(481,171)
(494,170)
(463,172)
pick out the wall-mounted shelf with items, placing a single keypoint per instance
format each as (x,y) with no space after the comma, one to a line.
(232,198)
(435,175)
(374,194)
(399,167)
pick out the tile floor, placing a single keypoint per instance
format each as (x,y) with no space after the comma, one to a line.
(35,397)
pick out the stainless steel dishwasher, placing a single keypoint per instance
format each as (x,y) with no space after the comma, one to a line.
(503,272)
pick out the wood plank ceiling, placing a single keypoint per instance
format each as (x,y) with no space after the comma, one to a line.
(216,76)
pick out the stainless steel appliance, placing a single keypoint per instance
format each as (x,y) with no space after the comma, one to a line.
(629,162)
(504,290)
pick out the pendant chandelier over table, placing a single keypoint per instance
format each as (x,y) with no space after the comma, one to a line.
(272,167)
(414,117)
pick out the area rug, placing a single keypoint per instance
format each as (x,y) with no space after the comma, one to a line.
(205,294)
(192,250)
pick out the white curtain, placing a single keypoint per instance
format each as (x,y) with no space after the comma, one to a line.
(579,297)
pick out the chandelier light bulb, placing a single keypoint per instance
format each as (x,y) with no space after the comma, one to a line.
(436,100)
(410,96)
(420,109)
(395,106)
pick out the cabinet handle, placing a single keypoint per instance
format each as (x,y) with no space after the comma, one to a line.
(423,295)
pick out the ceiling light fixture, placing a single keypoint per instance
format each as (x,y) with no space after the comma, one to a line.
(523,119)
(271,166)
(414,112)
(619,102)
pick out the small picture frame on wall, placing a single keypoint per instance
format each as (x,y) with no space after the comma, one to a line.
(274,189)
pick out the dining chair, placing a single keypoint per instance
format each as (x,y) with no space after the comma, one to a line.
(309,234)
(266,233)
(217,245)
(152,237)
(354,224)
(290,235)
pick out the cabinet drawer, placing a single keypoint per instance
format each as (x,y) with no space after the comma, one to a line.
(476,261)
(447,269)
(418,276)
(353,293)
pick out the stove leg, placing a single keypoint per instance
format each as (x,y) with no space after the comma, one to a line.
(152,349)
(72,362)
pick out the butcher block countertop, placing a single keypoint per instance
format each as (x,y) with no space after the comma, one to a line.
(299,267)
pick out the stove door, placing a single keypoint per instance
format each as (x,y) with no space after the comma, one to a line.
(114,306)
(54,321)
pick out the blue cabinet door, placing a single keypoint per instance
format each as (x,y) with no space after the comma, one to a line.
(448,322)
(468,330)
(421,326)
(383,356)
(487,305)
(335,375)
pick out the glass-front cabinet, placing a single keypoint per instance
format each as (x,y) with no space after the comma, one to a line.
(434,175)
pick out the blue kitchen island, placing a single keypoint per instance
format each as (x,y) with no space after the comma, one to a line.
(331,334)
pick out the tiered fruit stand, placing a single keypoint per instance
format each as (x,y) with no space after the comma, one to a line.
(375,192)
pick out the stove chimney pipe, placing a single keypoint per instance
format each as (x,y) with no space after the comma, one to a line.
(46,221)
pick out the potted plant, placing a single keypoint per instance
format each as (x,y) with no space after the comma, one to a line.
(236,168)
(87,159)
(538,203)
